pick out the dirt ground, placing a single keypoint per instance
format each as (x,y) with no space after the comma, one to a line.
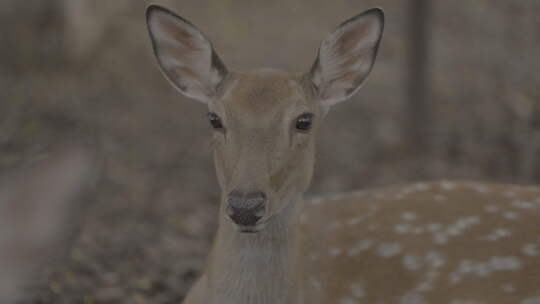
(88,68)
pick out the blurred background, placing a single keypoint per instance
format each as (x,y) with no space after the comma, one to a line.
(454,94)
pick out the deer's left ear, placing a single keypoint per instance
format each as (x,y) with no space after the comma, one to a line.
(184,54)
(346,57)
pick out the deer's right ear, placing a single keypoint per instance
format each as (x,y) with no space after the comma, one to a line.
(184,54)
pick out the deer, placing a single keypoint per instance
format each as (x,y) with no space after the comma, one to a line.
(448,241)
(40,204)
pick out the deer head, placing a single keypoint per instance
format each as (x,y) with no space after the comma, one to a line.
(264,121)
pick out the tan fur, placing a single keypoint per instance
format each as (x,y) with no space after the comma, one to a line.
(259,149)
(441,244)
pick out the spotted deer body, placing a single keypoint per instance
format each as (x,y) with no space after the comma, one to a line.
(441,242)
(422,243)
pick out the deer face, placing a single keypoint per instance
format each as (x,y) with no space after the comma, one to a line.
(264,121)
(264,127)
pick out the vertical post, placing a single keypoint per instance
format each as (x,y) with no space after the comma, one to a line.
(417,83)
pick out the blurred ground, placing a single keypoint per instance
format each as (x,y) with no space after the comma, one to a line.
(70,65)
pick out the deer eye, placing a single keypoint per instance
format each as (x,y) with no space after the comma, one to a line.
(304,122)
(215,121)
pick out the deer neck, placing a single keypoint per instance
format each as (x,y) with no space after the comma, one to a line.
(257,267)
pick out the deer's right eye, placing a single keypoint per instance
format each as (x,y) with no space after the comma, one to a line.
(215,121)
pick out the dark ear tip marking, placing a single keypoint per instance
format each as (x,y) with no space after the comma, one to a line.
(376,11)
(152,9)
(379,12)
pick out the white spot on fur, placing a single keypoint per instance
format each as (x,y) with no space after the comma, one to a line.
(532,250)
(440,198)
(412,262)
(440,238)
(508,288)
(359,247)
(454,278)
(455,229)
(334,252)
(510,215)
(412,298)
(523,205)
(421,186)
(348,300)
(358,291)
(491,208)
(408,216)
(435,259)
(535,300)
(481,188)
(509,194)
(484,269)
(315,283)
(424,286)
(388,250)
(505,263)
(459,301)
(466,222)
(433,227)
(355,221)
(446,185)
(402,228)
(497,234)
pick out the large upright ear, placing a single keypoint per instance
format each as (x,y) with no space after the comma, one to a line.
(184,54)
(346,57)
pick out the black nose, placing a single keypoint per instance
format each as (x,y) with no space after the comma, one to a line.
(246,209)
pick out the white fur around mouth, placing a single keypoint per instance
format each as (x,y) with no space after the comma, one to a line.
(249,229)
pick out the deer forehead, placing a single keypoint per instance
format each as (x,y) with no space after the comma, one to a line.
(263,97)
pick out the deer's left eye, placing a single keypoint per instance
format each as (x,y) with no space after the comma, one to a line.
(303,122)
(215,121)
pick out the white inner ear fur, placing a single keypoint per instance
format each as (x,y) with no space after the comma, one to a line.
(184,55)
(343,65)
